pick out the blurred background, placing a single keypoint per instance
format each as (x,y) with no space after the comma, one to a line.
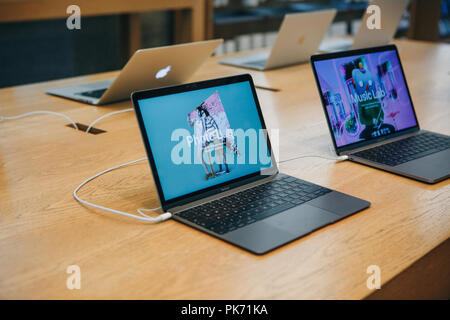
(36,45)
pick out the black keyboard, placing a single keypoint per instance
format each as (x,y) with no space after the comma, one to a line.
(243,208)
(93,93)
(401,151)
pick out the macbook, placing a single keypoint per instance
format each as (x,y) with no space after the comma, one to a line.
(390,15)
(371,116)
(299,37)
(147,68)
(214,168)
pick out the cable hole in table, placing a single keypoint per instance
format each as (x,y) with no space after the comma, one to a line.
(83,127)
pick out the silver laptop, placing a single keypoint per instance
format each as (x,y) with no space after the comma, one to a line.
(299,36)
(371,116)
(391,12)
(147,68)
(214,169)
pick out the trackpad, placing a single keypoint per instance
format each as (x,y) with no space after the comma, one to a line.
(302,219)
(259,237)
(340,203)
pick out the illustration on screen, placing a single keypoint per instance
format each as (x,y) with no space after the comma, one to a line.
(365,97)
(212,135)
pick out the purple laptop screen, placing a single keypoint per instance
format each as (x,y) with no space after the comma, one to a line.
(365,95)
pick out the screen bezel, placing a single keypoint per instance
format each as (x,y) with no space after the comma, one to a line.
(212,190)
(343,54)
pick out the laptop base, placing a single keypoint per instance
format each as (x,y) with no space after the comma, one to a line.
(74,92)
(430,164)
(335,44)
(430,169)
(255,61)
(287,225)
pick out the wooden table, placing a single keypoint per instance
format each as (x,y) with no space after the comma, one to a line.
(43,229)
(193,18)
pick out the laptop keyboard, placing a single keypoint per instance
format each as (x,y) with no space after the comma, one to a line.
(93,93)
(243,208)
(401,151)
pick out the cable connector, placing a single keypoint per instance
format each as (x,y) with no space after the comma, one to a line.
(342,158)
(165,216)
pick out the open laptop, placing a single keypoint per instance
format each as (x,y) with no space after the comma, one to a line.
(147,68)
(391,12)
(214,169)
(299,37)
(371,116)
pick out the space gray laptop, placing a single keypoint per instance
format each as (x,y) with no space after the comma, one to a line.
(147,68)
(390,13)
(371,116)
(299,37)
(214,169)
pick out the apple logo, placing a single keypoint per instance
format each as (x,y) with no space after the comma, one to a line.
(163,72)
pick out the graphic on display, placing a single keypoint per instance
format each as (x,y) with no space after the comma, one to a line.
(212,136)
(365,96)
(207,137)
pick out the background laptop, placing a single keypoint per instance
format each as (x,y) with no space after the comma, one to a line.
(236,192)
(371,116)
(147,68)
(391,14)
(299,37)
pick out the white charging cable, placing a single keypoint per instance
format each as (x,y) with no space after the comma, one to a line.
(40,112)
(166,215)
(65,117)
(106,116)
(143,217)
(327,157)
(338,158)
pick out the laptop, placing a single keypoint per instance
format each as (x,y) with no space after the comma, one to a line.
(390,15)
(299,37)
(214,168)
(371,116)
(147,68)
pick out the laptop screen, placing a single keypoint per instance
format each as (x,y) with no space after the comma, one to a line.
(204,137)
(365,96)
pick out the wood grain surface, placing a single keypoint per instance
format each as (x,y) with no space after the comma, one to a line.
(43,229)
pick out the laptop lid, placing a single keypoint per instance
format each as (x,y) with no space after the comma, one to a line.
(159,67)
(390,13)
(299,36)
(364,95)
(203,138)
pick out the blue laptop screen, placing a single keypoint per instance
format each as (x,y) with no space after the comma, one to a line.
(366,96)
(204,137)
